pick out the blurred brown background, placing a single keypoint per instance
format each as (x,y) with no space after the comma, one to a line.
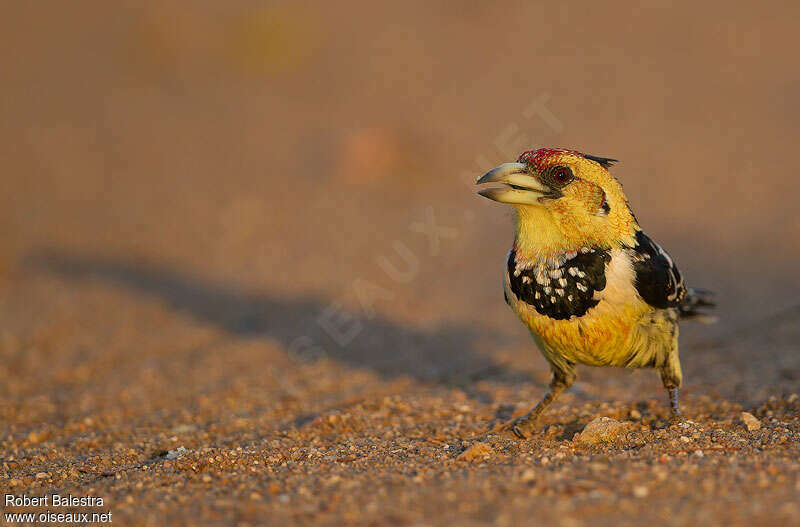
(189,189)
(282,148)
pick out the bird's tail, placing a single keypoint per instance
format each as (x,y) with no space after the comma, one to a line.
(693,303)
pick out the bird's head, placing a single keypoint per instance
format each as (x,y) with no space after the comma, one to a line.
(564,200)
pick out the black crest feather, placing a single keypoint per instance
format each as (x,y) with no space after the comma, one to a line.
(605,162)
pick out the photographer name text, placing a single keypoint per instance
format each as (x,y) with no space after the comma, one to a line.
(53,500)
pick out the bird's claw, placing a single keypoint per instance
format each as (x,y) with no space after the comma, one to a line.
(521,431)
(676,417)
(520,427)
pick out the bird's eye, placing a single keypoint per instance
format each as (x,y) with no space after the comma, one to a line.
(562,174)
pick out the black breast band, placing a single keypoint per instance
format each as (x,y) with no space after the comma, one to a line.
(561,287)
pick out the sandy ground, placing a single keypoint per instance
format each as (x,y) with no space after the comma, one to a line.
(244,278)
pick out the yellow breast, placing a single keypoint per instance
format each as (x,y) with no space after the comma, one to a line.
(620,327)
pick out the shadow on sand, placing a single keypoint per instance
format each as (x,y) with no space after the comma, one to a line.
(307,327)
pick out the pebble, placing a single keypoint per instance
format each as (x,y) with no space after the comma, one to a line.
(601,430)
(640,491)
(750,421)
(178,452)
(477,452)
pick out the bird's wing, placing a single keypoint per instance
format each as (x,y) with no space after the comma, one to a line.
(658,280)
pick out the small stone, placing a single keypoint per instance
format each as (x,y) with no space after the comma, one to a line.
(178,452)
(206,478)
(528,476)
(635,414)
(601,430)
(42,475)
(685,439)
(478,451)
(640,491)
(750,421)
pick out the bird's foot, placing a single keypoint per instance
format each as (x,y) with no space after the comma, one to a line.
(676,417)
(522,427)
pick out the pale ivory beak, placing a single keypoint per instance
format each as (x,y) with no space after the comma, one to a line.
(524,188)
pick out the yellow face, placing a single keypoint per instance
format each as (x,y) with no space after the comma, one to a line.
(564,200)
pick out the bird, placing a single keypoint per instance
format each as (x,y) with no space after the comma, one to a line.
(583,276)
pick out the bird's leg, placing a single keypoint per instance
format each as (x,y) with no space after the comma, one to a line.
(671,377)
(522,426)
(563,377)
(673,401)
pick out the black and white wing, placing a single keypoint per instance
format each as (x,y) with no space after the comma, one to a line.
(659,282)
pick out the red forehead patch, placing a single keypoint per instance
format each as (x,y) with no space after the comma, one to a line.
(539,158)
(542,158)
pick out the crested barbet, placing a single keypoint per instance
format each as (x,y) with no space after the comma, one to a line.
(590,285)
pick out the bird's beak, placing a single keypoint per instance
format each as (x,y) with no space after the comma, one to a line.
(523,189)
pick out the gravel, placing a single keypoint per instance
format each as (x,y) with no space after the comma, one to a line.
(245,278)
